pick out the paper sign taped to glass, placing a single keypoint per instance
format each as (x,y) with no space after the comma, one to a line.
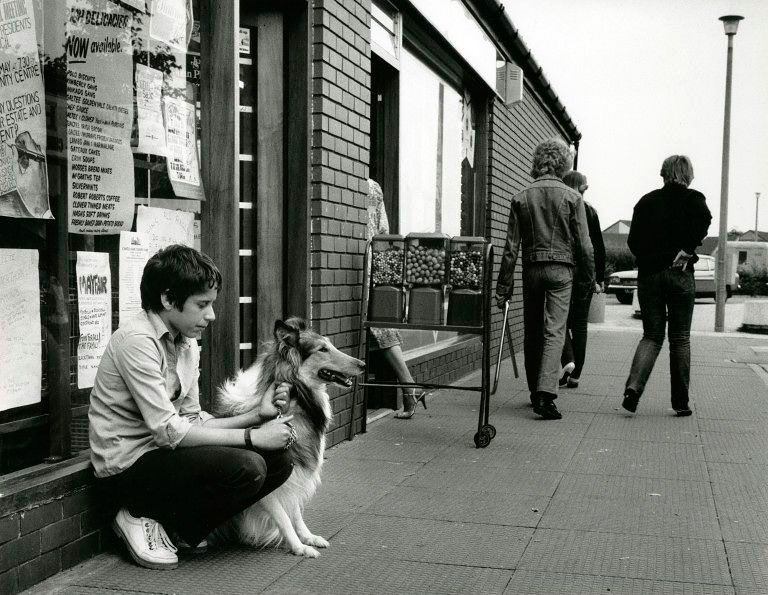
(20,330)
(181,148)
(99,117)
(171,22)
(23,166)
(94,308)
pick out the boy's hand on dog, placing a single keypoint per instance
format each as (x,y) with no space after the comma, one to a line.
(272,435)
(275,401)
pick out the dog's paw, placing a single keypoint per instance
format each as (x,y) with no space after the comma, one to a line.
(307,551)
(316,540)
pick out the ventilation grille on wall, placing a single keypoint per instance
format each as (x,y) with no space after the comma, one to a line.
(509,83)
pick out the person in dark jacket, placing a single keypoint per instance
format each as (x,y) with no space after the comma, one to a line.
(548,218)
(575,349)
(667,226)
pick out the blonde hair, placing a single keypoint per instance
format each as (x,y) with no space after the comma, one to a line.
(677,169)
(553,156)
(575,180)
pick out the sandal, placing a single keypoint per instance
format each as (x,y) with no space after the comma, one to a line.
(407,413)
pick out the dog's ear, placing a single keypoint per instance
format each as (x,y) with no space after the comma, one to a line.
(297,322)
(286,334)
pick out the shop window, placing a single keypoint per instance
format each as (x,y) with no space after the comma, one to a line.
(99,167)
(430,150)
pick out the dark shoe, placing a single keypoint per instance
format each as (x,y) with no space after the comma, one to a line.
(685,412)
(545,407)
(630,400)
(572,382)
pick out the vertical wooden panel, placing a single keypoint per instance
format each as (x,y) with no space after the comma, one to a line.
(219,22)
(269,173)
(297,215)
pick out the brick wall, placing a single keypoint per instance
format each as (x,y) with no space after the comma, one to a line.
(514,133)
(54,527)
(341,80)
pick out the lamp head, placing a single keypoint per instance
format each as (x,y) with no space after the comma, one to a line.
(731,23)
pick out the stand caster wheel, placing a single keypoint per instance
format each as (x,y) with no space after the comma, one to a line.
(490,429)
(482,439)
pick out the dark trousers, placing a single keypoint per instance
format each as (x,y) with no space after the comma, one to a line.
(669,292)
(193,490)
(546,298)
(575,348)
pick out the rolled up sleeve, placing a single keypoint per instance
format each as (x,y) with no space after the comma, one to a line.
(190,408)
(140,363)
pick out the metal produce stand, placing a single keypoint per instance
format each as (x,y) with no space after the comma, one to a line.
(485,431)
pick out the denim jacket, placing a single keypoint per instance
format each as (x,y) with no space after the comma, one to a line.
(550,219)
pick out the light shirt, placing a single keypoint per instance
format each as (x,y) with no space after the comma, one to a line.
(145,395)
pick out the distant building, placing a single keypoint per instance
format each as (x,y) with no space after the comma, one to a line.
(749,236)
(708,245)
(620,227)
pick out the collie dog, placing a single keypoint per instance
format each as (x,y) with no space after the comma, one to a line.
(309,362)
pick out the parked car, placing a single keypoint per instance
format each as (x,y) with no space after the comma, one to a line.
(624,283)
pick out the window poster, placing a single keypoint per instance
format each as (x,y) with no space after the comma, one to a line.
(23,167)
(163,227)
(99,116)
(94,306)
(467,130)
(181,147)
(151,134)
(134,254)
(171,22)
(137,4)
(20,330)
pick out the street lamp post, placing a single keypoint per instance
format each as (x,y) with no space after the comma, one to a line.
(757,202)
(731,25)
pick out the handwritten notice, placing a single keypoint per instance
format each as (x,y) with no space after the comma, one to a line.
(151,134)
(134,254)
(198,244)
(171,22)
(181,147)
(99,116)
(23,166)
(94,307)
(20,330)
(163,227)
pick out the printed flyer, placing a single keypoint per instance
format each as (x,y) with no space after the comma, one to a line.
(181,147)
(23,166)
(171,22)
(151,134)
(20,331)
(99,116)
(134,254)
(94,307)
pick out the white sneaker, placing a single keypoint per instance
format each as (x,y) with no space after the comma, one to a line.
(147,541)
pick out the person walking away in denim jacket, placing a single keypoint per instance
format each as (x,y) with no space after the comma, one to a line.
(549,219)
(575,349)
(667,226)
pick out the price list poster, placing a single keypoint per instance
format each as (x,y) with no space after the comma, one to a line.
(99,116)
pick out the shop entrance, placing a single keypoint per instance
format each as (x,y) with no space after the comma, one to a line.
(273,174)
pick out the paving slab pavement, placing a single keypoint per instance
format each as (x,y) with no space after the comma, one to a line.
(600,501)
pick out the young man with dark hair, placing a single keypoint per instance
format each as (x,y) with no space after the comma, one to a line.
(163,460)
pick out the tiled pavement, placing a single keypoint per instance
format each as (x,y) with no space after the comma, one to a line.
(596,502)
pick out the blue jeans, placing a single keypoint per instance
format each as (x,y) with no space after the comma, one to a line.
(546,299)
(669,292)
(575,349)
